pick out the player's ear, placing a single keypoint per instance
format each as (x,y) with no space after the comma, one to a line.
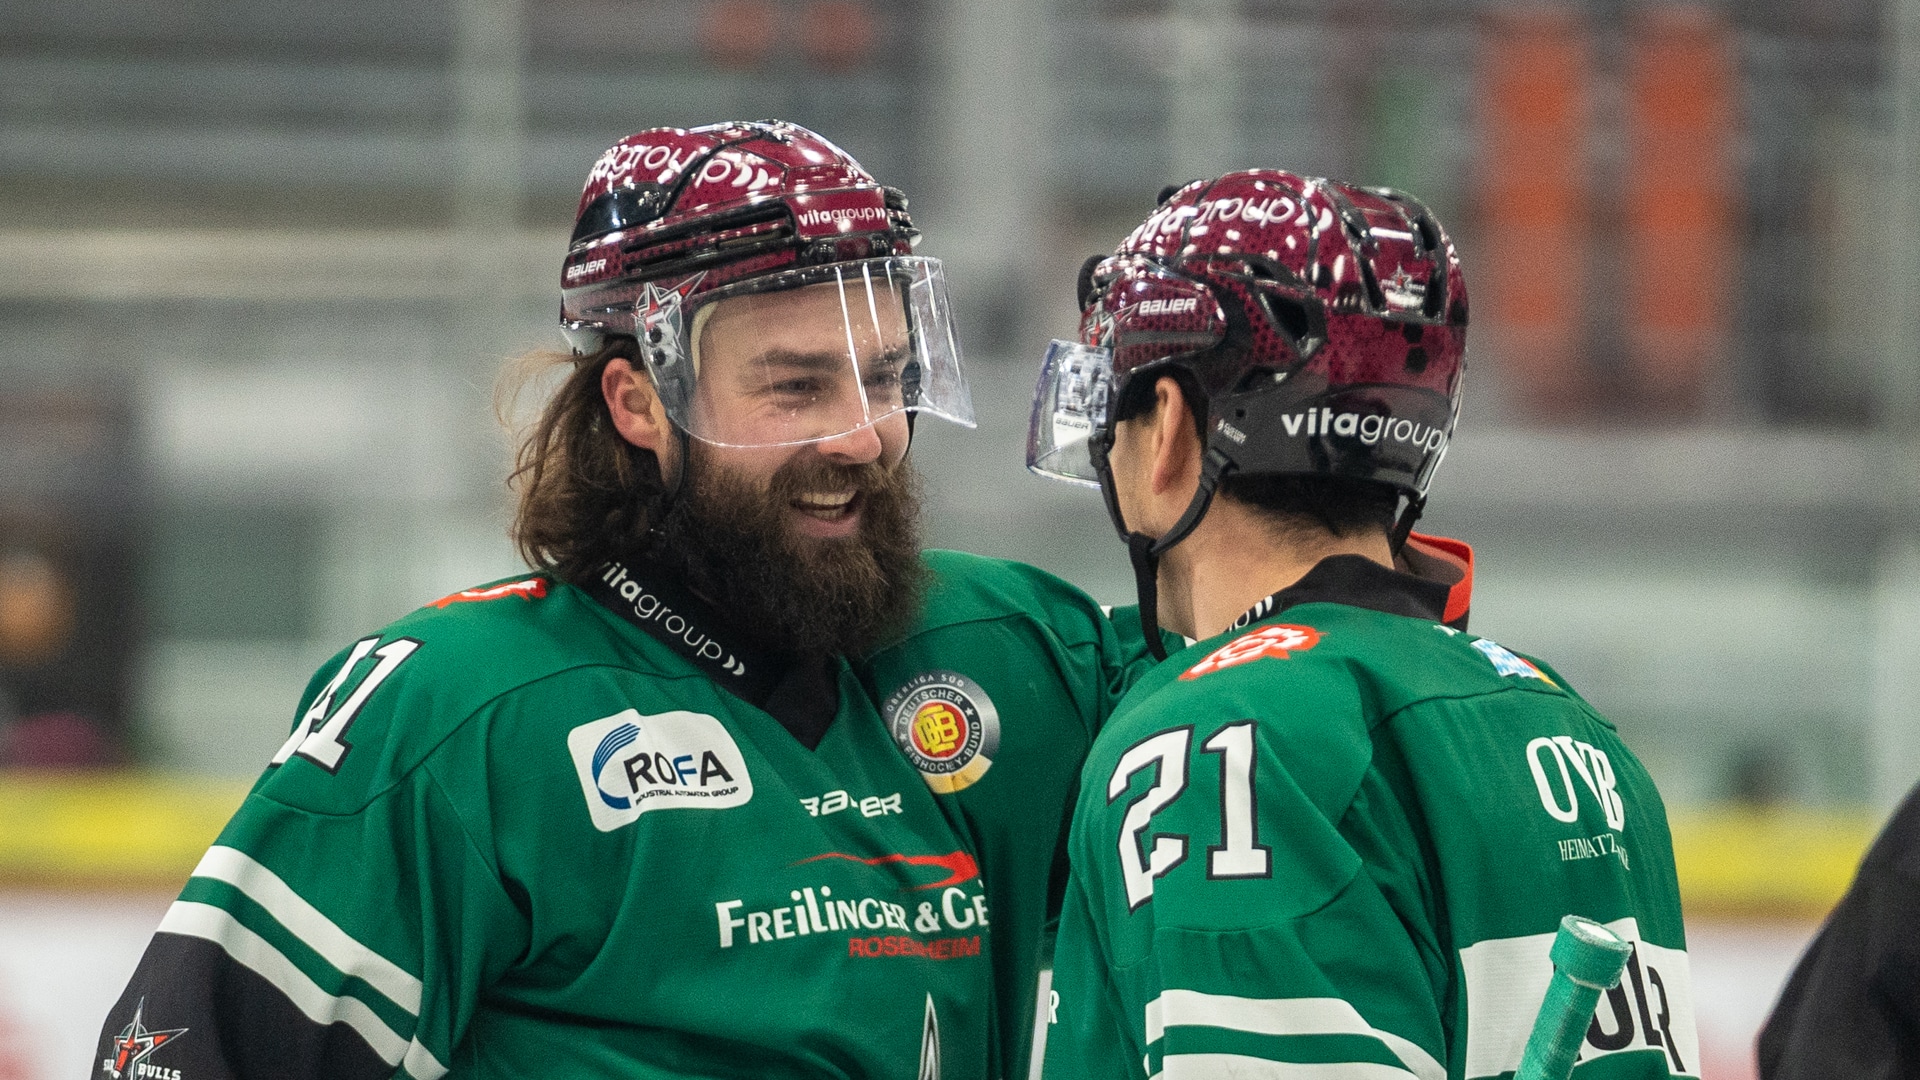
(1175,465)
(637,411)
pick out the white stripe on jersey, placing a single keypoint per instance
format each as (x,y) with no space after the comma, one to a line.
(316,931)
(1242,1067)
(258,954)
(1282,1016)
(421,1064)
(1506,979)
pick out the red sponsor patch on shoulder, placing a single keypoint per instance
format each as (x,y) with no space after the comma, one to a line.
(1278,640)
(530,589)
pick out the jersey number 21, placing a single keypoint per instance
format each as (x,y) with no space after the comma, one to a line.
(1240,854)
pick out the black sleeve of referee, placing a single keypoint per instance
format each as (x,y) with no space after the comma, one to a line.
(1852,1006)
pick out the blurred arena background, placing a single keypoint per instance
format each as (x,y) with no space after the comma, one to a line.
(261,262)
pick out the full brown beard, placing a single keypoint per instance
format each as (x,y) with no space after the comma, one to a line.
(736,546)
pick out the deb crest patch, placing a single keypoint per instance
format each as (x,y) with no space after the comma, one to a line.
(1278,640)
(947,726)
(630,764)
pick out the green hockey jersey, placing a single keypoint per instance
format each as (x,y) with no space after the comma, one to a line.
(532,832)
(1338,839)
(995,698)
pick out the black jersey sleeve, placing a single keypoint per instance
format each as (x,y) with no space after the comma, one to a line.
(345,921)
(1852,1005)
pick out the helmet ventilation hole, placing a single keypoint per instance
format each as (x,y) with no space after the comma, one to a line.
(1289,315)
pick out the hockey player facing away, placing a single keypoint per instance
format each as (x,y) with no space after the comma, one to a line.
(634,814)
(1336,835)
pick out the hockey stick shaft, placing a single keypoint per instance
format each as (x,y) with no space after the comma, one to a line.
(1587,961)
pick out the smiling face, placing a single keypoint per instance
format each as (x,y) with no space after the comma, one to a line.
(820,363)
(813,546)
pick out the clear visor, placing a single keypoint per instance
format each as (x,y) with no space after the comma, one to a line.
(806,355)
(1069,407)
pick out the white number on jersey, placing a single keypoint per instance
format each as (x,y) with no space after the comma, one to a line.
(1168,751)
(320,738)
(1240,854)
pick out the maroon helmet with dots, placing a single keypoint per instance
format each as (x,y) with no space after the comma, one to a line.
(686,233)
(1319,329)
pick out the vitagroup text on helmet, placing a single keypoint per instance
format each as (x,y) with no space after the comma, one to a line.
(1262,212)
(1369,428)
(842,215)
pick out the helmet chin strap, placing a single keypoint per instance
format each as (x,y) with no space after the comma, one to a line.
(1403,525)
(1145,551)
(670,489)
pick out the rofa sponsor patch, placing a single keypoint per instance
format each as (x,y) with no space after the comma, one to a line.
(630,764)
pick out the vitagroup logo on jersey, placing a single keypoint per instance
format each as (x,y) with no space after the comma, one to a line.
(630,764)
(947,726)
(649,608)
(1369,428)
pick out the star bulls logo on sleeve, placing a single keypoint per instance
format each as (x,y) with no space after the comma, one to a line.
(134,1043)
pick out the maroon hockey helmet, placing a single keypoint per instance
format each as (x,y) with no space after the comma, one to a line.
(1318,327)
(677,226)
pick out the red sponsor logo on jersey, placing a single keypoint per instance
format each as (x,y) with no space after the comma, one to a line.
(953,948)
(1279,640)
(530,589)
(958,864)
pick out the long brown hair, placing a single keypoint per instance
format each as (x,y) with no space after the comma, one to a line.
(584,492)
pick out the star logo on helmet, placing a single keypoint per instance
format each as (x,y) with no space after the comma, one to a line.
(134,1043)
(660,322)
(1102,329)
(1403,290)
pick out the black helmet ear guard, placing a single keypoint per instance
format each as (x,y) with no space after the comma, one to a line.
(1083,281)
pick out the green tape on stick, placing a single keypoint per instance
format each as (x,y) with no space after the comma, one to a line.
(1587,961)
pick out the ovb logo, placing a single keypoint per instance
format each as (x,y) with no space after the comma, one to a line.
(630,764)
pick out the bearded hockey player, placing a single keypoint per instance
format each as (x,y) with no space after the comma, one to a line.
(635,814)
(1335,836)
